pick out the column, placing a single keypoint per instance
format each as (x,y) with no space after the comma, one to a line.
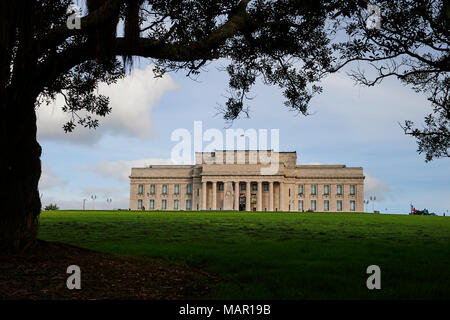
(259,199)
(281,202)
(236,196)
(247,196)
(271,196)
(227,200)
(203,195)
(214,195)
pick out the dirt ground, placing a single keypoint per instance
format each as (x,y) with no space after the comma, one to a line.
(41,274)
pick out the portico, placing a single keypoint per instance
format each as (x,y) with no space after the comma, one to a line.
(240,181)
(254,194)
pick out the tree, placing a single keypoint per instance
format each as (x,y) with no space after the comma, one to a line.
(51,207)
(42,57)
(413,46)
(285,43)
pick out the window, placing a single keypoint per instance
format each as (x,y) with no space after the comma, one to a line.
(313,205)
(152,204)
(254,187)
(243,187)
(265,186)
(352,189)
(326,189)
(313,189)
(164,204)
(152,189)
(177,189)
(175,204)
(220,186)
(326,205)
(189,188)
(300,189)
(289,192)
(164,189)
(300,205)
(188,204)
(139,204)
(352,205)
(339,189)
(141,189)
(339,205)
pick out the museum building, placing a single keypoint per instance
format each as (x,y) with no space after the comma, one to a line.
(247,181)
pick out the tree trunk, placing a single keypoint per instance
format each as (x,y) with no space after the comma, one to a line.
(20,170)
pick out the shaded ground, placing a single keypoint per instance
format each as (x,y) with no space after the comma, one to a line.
(41,274)
(274,255)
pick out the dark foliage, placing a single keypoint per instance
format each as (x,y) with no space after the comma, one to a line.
(287,43)
(412,45)
(51,207)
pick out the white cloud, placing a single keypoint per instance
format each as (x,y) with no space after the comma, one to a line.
(121,170)
(389,92)
(376,187)
(100,203)
(131,100)
(374,113)
(119,198)
(49,179)
(82,195)
(100,192)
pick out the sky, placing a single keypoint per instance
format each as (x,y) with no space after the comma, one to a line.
(349,124)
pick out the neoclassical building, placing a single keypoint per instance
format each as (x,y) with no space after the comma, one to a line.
(247,181)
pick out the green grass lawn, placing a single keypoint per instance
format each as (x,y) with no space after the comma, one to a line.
(277,255)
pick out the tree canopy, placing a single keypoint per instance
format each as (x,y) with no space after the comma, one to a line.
(291,44)
(413,46)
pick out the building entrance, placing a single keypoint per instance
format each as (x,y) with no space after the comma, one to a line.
(242,201)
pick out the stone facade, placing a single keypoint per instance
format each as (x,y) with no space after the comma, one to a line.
(241,180)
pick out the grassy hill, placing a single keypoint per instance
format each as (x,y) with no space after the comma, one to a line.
(276,255)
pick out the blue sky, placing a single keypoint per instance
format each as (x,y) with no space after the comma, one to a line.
(350,125)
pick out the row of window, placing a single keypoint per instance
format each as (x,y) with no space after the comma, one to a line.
(165,188)
(326,205)
(326,189)
(220,185)
(176,204)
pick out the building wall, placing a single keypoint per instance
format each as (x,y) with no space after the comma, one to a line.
(285,183)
